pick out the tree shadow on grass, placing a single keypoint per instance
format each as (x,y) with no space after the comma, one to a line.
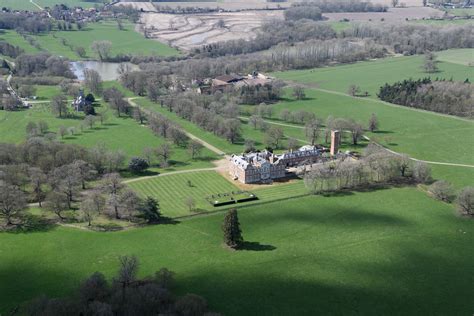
(32,223)
(255,246)
(383,132)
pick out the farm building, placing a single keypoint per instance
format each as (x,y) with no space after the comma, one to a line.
(226,82)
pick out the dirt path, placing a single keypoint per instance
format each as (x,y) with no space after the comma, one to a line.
(40,7)
(367,138)
(191,136)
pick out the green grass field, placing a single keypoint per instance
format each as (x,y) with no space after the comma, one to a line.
(458,56)
(126,41)
(117,133)
(172,191)
(27,5)
(422,135)
(16,39)
(370,75)
(386,252)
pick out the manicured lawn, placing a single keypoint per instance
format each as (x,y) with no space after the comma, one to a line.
(370,75)
(458,56)
(387,252)
(172,191)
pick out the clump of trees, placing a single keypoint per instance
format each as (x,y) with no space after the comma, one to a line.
(125,294)
(24,22)
(298,12)
(448,97)
(378,167)
(53,175)
(43,64)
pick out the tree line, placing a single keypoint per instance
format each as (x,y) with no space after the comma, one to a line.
(443,96)
(124,294)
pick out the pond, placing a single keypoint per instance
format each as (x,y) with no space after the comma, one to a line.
(107,71)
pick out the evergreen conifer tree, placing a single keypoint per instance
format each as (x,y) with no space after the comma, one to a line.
(231,228)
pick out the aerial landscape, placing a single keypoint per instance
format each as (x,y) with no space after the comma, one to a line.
(236,157)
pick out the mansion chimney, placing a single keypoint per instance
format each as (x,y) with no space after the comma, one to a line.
(335,137)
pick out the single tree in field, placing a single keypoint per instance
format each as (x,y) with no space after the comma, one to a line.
(249,146)
(298,93)
(102,49)
(127,273)
(139,115)
(93,81)
(37,181)
(353,90)
(148,155)
(137,164)
(373,123)
(293,143)
(231,228)
(421,172)
(84,171)
(150,210)
(395,3)
(356,131)
(430,63)
(112,185)
(88,210)
(59,105)
(465,201)
(163,153)
(195,148)
(190,203)
(62,131)
(312,131)
(57,202)
(12,202)
(273,136)
(442,190)
(98,200)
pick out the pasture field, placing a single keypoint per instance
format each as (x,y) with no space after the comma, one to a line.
(209,137)
(248,132)
(16,39)
(458,56)
(27,5)
(315,255)
(422,135)
(126,41)
(461,11)
(117,133)
(371,75)
(172,191)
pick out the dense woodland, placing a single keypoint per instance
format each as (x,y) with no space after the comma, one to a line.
(443,96)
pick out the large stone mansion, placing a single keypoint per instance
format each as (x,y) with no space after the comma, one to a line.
(264,167)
